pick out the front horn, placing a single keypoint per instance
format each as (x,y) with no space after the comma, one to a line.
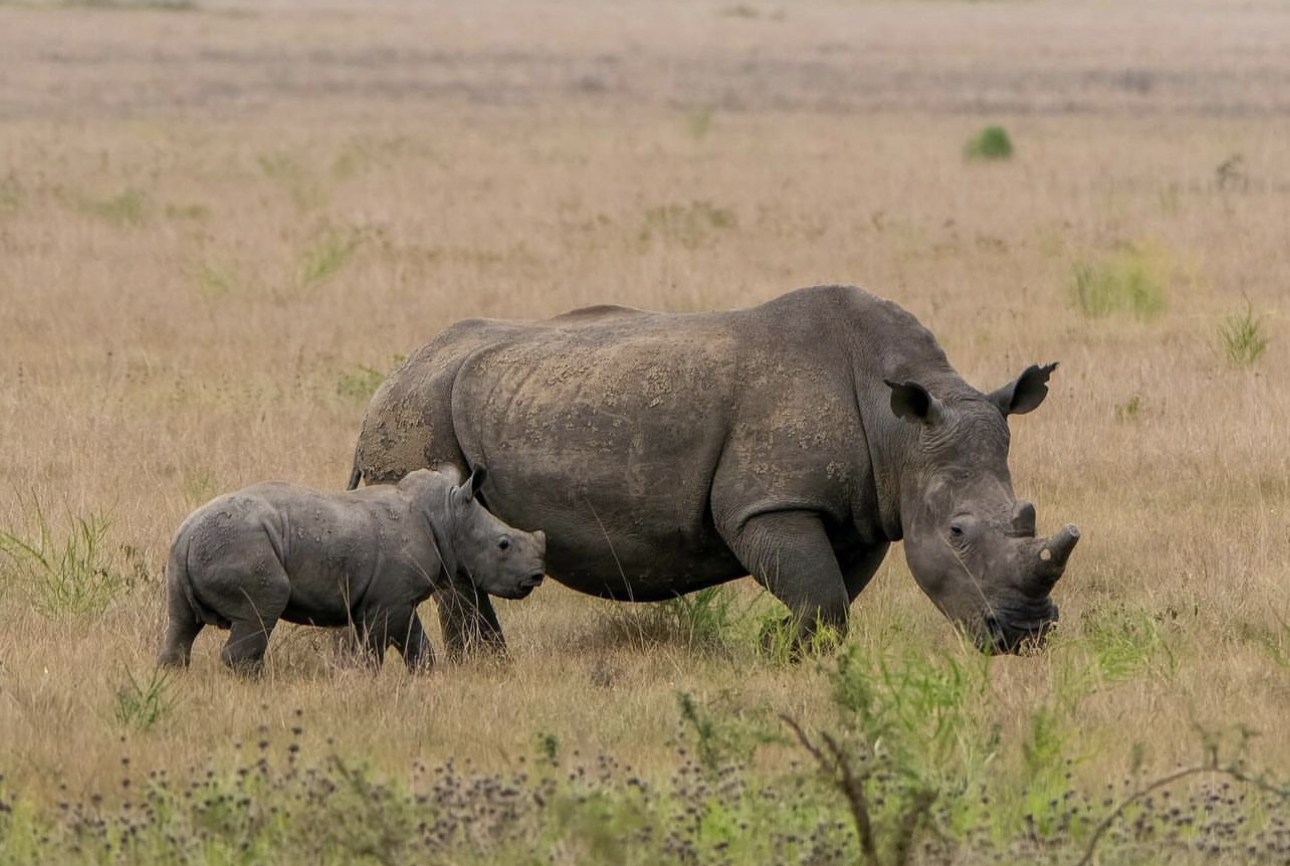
(1055,553)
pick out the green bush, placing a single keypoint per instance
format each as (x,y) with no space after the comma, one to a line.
(1132,280)
(990,143)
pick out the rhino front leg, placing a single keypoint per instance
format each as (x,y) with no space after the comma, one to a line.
(788,552)
(468,621)
(859,568)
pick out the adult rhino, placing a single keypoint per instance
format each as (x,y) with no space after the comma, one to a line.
(793,441)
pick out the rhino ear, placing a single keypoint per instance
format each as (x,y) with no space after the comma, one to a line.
(478,476)
(1026,392)
(911,402)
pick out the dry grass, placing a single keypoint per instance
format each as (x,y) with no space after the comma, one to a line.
(215,223)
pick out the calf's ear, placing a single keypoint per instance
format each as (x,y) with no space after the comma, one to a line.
(478,476)
(1026,392)
(912,402)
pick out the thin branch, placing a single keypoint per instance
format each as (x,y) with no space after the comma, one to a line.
(837,765)
(1208,767)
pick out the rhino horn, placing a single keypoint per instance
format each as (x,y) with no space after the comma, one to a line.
(1055,553)
(1023,519)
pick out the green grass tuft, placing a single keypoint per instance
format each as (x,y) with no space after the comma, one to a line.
(1132,281)
(75,573)
(325,257)
(141,704)
(1242,338)
(128,209)
(991,143)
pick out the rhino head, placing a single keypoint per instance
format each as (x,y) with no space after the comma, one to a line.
(970,544)
(498,559)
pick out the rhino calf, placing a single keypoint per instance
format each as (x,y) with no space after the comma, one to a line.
(363,558)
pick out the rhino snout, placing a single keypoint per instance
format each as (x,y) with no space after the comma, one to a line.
(1009,634)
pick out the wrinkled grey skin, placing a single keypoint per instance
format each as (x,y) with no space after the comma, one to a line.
(794,441)
(364,558)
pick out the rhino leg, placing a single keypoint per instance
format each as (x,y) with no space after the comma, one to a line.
(184,627)
(252,620)
(788,552)
(468,621)
(414,646)
(859,569)
(247,641)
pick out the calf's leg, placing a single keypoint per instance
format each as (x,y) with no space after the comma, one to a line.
(253,599)
(414,646)
(182,631)
(468,621)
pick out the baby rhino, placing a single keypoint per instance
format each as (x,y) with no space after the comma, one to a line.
(363,558)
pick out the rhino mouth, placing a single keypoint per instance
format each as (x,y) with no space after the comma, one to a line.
(527,585)
(1016,635)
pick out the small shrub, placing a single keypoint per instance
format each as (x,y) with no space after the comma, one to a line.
(690,226)
(1242,338)
(1230,173)
(11,194)
(196,212)
(216,280)
(1129,409)
(991,143)
(698,121)
(359,383)
(127,209)
(1124,642)
(305,190)
(1132,280)
(141,705)
(325,257)
(72,574)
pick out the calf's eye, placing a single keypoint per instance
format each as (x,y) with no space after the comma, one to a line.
(504,544)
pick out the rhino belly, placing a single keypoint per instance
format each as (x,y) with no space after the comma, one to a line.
(633,567)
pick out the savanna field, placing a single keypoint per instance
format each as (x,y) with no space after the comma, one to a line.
(221,225)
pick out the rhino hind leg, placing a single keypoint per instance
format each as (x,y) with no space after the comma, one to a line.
(184,627)
(414,646)
(251,622)
(789,553)
(247,641)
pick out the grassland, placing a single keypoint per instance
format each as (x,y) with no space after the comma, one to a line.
(219,225)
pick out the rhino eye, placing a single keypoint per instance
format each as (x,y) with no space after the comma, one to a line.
(504,544)
(956,530)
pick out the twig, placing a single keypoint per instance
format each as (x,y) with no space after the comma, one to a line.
(837,765)
(1210,766)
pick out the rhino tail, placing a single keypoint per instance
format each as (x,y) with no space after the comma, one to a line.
(355,474)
